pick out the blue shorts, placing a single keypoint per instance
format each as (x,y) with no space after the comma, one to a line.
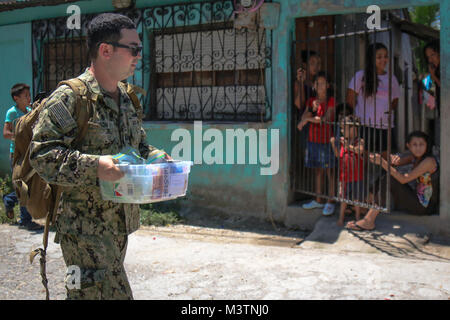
(355,191)
(319,155)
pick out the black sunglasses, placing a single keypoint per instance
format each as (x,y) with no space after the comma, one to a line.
(134,50)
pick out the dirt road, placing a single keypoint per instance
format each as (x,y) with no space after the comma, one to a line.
(192,262)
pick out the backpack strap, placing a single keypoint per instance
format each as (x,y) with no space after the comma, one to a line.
(131,91)
(83,108)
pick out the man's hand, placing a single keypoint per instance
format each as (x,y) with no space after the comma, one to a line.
(107,169)
(167,157)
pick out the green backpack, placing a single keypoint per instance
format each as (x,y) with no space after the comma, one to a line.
(39,197)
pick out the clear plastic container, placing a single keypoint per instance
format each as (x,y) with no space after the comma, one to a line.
(146,183)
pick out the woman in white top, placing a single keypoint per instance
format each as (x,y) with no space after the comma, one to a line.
(369,89)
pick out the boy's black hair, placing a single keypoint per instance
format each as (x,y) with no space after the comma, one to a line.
(41,95)
(106,28)
(18,88)
(308,54)
(322,74)
(343,110)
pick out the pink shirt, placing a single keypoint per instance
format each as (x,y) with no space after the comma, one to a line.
(370,111)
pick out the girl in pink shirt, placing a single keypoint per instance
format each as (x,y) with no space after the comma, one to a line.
(368,93)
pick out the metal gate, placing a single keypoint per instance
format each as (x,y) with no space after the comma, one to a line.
(345,63)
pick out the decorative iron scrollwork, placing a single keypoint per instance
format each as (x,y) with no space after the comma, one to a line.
(195,65)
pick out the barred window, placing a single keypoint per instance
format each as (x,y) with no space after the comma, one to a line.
(63,59)
(58,53)
(210,75)
(196,64)
(203,68)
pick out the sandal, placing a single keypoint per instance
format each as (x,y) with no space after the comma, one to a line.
(356,227)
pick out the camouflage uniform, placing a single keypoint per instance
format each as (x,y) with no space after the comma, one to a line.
(93,233)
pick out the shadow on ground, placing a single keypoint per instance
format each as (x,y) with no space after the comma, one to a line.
(400,239)
(218,227)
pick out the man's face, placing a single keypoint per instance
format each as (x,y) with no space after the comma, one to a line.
(23,99)
(122,62)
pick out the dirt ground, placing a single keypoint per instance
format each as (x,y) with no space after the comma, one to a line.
(229,258)
(20,280)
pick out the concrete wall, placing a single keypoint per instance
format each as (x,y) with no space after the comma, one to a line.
(445,117)
(15,66)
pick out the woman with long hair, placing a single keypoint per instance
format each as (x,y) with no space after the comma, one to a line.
(371,93)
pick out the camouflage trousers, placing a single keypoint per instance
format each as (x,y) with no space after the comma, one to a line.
(95,267)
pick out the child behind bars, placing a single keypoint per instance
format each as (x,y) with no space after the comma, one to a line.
(318,153)
(351,164)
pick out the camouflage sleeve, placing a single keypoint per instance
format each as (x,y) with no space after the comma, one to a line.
(51,154)
(144,148)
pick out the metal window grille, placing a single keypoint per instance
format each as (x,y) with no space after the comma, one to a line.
(195,64)
(205,69)
(58,53)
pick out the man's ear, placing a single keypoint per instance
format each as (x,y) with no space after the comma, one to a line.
(105,50)
(15,98)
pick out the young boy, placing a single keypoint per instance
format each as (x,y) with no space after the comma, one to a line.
(20,93)
(351,164)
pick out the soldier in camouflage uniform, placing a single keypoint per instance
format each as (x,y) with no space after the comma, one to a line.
(93,233)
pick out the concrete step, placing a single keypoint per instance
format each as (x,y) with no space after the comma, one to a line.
(397,234)
(297,217)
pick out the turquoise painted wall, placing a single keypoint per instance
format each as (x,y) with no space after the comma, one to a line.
(445,116)
(15,66)
(230,186)
(242,186)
